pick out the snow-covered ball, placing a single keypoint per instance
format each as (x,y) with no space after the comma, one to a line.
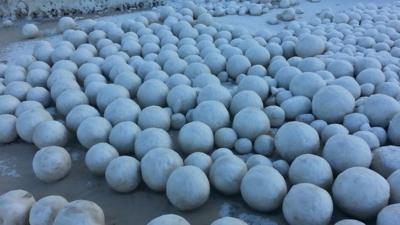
(360,192)
(109,93)
(389,215)
(149,139)
(215,92)
(276,115)
(200,160)
(93,130)
(243,146)
(27,105)
(188,188)
(80,211)
(296,138)
(344,151)
(251,122)
(216,62)
(50,133)
(30,30)
(181,98)
(372,108)
(45,210)
(354,121)
(122,109)
(62,85)
(331,103)
(371,75)
(157,165)
(296,106)
(306,84)
(196,136)
(309,46)
(123,174)
(264,145)
(237,64)
(258,55)
(307,204)
(225,137)
(311,169)
(228,221)
(68,99)
(340,68)
(212,113)
(386,160)
(152,92)
(51,163)
(245,99)
(349,222)
(332,130)
(256,160)
(78,114)
(263,188)
(169,219)
(66,23)
(15,206)
(37,77)
(8,128)
(28,120)
(18,89)
(123,136)
(195,69)
(394,182)
(99,156)
(226,174)
(256,84)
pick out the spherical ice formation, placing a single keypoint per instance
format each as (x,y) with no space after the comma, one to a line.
(215,92)
(66,23)
(123,136)
(78,114)
(349,222)
(93,130)
(394,182)
(181,98)
(51,164)
(311,169)
(256,84)
(307,204)
(237,64)
(331,103)
(306,84)
(344,151)
(263,188)
(157,165)
(379,109)
(122,109)
(188,188)
(8,104)
(228,221)
(169,219)
(27,105)
(123,174)
(149,139)
(108,94)
(80,211)
(15,206)
(199,160)
(152,92)
(296,138)
(30,30)
(225,137)
(386,160)
(67,100)
(250,123)
(309,46)
(45,210)
(8,128)
(212,113)
(28,120)
(245,99)
(196,136)
(99,156)
(154,116)
(389,215)
(50,133)
(360,192)
(264,145)
(226,174)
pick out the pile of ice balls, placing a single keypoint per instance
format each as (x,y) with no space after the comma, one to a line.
(310,114)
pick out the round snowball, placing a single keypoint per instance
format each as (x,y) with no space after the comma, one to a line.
(386,160)
(225,137)
(157,165)
(67,100)
(360,192)
(30,30)
(181,98)
(264,145)
(263,188)
(256,84)
(93,130)
(109,93)
(389,215)
(196,136)
(78,114)
(28,120)
(123,136)
(394,182)
(50,133)
(152,92)
(99,156)
(331,103)
(51,164)
(15,206)
(307,204)
(296,138)
(372,108)
(212,113)
(200,160)
(237,64)
(306,84)
(349,222)
(188,188)
(394,129)
(226,174)
(122,109)
(8,128)
(311,169)
(149,139)
(228,221)
(154,116)
(80,211)
(123,174)
(251,122)
(8,104)
(169,219)
(309,45)
(45,210)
